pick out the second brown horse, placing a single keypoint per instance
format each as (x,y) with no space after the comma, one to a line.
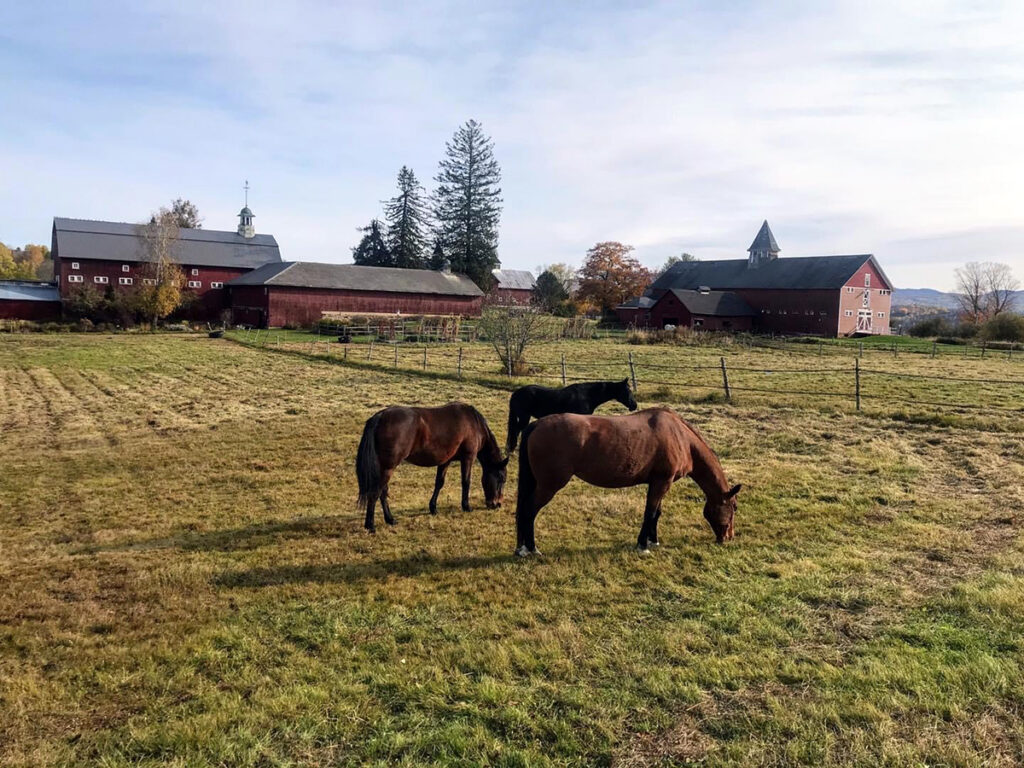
(653,447)
(427,437)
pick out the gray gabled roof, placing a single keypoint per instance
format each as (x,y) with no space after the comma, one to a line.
(716,303)
(637,302)
(352,277)
(82,239)
(765,240)
(18,290)
(806,273)
(514,279)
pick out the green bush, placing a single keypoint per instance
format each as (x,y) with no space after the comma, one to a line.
(933,326)
(1005,326)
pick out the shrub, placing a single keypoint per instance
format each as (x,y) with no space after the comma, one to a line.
(933,326)
(1005,326)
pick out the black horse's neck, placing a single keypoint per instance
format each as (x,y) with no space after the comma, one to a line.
(602,392)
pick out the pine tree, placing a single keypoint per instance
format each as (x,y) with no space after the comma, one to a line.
(468,204)
(408,221)
(372,251)
(438,261)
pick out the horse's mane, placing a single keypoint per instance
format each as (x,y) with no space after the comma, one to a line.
(698,433)
(486,429)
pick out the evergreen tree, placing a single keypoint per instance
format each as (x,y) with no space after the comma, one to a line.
(438,261)
(372,251)
(408,222)
(468,204)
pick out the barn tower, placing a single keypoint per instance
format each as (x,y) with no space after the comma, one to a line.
(245,217)
(764,248)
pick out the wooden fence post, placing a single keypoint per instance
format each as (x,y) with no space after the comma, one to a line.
(984,346)
(725,380)
(369,351)
(856,373)
(563,369)
(819,347)
(933,350)
(396,353)
(460,362)
(860,349)
(632,372)
(894,353)
(346,351)
(424,357)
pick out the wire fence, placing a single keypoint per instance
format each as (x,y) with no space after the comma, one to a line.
(850,382)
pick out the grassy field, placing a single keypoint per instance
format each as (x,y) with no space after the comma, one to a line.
(184,579)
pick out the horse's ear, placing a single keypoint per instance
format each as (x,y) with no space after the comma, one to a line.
(733,491)
(505,462)
(625,382)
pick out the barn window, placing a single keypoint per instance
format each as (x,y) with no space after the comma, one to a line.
(698,322)
(76,279)
(125,280)
(149,281)
(881,314)
(867,279)
(195,271)
(195,283)
(216,285)
(74,265)
(849,313)
(125,268)
(101,279)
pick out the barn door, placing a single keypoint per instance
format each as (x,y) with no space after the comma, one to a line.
(864,313)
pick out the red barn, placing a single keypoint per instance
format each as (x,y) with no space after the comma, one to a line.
(818,295)
(27,300)
(298,292)
(513,286)
(707,310)
(107,254)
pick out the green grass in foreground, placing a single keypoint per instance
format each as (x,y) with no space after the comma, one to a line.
(184,581)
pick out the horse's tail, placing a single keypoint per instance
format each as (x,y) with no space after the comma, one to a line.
(513,429)
(527,481)
(367,464)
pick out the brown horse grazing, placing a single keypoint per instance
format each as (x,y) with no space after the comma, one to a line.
(427,437)
(653,446)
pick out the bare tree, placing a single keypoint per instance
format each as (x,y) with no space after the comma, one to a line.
(1000,288)
(163,278)
(970,290)
(511,330)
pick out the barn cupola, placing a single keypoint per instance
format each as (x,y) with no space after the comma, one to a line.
(764,248)
(245,217)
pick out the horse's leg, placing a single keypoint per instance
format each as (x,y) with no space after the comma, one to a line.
(385,486)
(652,535)
(442,470)
(467,475)
(368,523)
(656,491)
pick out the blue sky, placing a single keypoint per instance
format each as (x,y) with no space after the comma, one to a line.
(886,127)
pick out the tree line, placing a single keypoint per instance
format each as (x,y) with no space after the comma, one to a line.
(30,262)
(455,227)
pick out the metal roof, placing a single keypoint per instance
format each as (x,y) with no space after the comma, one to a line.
(352,277)
(637,302)
(514,279)
(720,303)
(80,239)
(806,273)
(17,290)
(765,240)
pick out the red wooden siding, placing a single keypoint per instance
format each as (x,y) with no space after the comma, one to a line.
(39,311)
(879,304)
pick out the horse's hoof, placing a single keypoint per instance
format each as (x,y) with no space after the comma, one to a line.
(370,529)
(642,550)
(653,543)
(390,522)
(522,551)
(433,510)
(467,509)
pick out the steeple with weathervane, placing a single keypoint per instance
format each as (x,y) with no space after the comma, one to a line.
(245,217)
(764,248)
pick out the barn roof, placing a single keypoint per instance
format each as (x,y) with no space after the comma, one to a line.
(81,239)
(18,290)
(514,279)
(352,277)
(807,273)
(637,302)
(765,240)
(715,303)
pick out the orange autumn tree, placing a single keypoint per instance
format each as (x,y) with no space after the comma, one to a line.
(610,275)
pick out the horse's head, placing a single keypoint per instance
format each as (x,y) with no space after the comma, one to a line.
(720,514)
(624,394)
(494,483)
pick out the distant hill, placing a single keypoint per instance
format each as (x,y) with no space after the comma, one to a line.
(923,297)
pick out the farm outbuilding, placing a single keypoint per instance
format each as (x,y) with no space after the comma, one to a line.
(513,286)
(28,300)
(708,310)
(299,292)
(817,295)
(110,255)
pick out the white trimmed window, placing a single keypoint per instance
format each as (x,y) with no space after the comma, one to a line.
(74,265)
(149,281)
(881,314)
(808,311)
(101,279)
(849,289)
(849,313)
(125,280)
(76,279)
(125,268)
(195,283)
(194,271)
(216,285)
(867,279)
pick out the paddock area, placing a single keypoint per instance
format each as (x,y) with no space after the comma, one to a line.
(185,580)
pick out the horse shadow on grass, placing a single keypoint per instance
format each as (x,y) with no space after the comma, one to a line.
(418,564)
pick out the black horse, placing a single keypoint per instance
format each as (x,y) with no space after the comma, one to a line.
(582,398)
